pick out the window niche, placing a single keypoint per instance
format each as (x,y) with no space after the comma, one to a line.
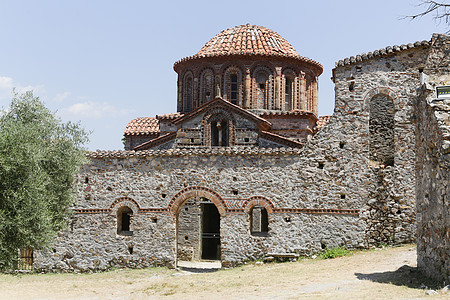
(259,221)
(188,92)
(381,130)
(219,133)
(124,215)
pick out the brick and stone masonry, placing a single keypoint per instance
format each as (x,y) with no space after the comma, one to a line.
(354,183)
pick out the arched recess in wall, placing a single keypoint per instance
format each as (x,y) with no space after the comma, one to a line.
(290,90)
(258,209)
(206,86)
(124,209)
(196,191)
(262,87)
(188,91)
(258,200)
(218,128)
(380,103)
(233,85)
(308,92)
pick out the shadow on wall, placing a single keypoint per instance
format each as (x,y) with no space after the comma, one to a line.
(404,276)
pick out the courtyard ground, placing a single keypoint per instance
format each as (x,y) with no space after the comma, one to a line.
(374,274)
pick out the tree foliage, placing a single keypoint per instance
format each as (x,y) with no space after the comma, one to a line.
(39,157)
(439,9)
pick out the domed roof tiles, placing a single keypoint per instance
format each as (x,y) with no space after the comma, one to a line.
(248,40)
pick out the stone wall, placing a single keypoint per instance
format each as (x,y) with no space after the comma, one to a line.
(433,185)
(329,193)
(433,167)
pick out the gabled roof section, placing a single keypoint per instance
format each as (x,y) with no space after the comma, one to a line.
(142,126)
(234,108)
(382,52)
(155,142)
(280,139)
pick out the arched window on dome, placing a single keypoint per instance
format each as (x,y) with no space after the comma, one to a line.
(206,86)
(289,90)
(308,91)
(261,87)
(188,93)
(233,85)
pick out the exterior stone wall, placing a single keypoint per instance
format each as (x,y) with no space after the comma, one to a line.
(433,166)
(329,193)
(433,185)
(390,205)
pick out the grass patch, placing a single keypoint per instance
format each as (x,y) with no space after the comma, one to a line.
(334,252)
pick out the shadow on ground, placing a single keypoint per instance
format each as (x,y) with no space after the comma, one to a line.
(199,270)
(404,276)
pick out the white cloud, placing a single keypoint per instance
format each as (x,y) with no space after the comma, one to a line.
(60,97)
(94,110)
(7,84)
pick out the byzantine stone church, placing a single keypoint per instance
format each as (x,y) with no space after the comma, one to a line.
(246,169)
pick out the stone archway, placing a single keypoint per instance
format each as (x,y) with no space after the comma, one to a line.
(198,212)
(196,191)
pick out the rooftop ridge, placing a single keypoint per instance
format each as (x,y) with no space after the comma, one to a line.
(381,52)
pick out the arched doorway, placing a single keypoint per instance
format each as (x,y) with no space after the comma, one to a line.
(198,231)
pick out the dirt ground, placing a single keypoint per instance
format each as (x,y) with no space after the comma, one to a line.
(376,274)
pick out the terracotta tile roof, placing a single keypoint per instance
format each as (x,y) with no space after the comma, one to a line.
(384,51)
(142,126)
(172,116)
(249,40)
(322,121)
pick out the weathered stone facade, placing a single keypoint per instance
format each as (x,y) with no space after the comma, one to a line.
(433,166)
(352,183)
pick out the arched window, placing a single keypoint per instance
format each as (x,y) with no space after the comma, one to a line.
(259,221)
(233,89)
(381,130)
(187,95)
(219,133)
(288,93)
(124,220)
(261,88)
(206,86)
(233,83)
(308,90)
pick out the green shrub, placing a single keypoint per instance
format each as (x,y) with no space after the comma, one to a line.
(334,252)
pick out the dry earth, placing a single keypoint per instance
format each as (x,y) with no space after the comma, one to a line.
(376,274)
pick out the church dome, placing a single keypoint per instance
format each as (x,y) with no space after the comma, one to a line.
(248,40)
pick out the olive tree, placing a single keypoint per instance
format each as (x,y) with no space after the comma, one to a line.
(39,158)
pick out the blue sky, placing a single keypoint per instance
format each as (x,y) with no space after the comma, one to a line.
(106,62)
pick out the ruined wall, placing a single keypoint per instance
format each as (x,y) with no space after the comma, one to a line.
(384,80)
(433,166)
(433,185)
